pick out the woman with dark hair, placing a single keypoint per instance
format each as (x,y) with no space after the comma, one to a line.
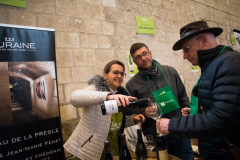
(87,140)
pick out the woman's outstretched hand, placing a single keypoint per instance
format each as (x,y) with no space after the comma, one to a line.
(124,99)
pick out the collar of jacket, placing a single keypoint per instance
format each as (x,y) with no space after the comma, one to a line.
(152,76)
(102,84)
(206,56)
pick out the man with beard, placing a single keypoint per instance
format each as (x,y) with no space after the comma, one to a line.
(153,81)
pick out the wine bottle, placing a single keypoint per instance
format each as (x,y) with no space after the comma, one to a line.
(161,148)
(124,152)
(110,107)
(141,151)
(108,155)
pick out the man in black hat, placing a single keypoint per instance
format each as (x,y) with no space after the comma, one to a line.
(215,99)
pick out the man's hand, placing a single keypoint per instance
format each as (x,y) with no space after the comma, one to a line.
(149,110)
(139,118)
(162,125)
(185,111)
(124,99)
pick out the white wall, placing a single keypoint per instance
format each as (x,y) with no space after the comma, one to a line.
(45,108)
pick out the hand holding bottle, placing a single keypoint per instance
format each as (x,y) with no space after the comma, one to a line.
(124,99)
(139,118)
(112,106)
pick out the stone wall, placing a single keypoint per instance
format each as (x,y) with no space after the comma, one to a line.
(90,33)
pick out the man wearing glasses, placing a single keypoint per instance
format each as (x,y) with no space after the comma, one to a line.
(215,98)
(151,79)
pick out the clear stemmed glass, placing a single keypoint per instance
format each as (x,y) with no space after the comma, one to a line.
(155,112)
(149,143)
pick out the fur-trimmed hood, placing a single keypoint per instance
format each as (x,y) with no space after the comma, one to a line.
(102,84)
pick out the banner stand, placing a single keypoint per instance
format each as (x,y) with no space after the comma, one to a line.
(30,124)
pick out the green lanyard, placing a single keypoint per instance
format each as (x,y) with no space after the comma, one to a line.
(194,100)
(164,97)
(163,75)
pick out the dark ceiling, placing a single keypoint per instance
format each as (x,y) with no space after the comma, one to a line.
(29,70)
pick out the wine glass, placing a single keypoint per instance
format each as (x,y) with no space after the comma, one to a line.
(155,113)
(149,143)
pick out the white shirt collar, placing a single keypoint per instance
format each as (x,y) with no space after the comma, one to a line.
(112,91)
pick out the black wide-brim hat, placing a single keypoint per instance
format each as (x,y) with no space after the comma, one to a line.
(193,29)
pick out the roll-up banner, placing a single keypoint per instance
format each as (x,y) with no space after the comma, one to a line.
(236,34)
(30,125)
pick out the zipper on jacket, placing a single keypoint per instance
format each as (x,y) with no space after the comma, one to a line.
(87,140)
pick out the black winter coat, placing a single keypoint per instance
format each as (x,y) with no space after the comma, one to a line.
(219,96)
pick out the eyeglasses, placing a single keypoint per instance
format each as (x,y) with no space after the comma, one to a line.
(138,57)
(116,73)
(185,50)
